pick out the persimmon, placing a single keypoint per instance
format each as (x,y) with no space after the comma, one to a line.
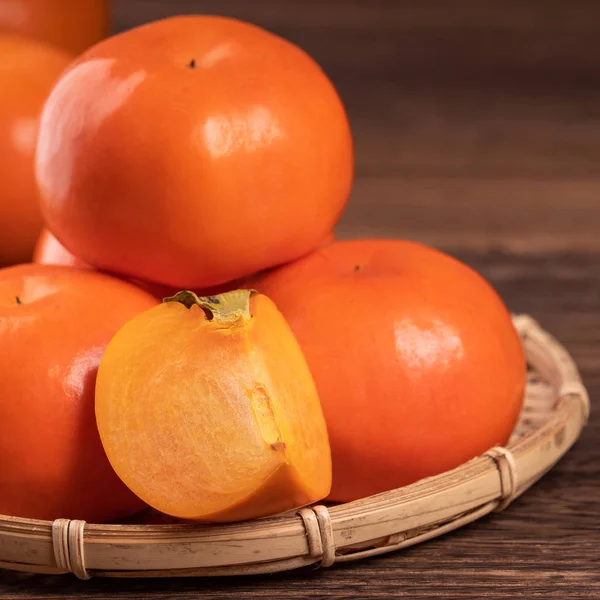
(28,69)
(73,25)
(207,410)
(54,325)
(49,251)
(198,150)
(414,355)
(329,239)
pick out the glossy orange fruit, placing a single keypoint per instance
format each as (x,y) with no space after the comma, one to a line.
(28,69)
(49,251)
(55,323)
(207,410)
(197,150)
(415,357)
(73,25)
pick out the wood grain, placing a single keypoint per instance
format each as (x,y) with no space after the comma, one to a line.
(477,128)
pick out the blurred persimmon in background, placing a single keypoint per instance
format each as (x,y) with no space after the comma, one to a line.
(198,150)
(73,25)
(49,251)
(28,69)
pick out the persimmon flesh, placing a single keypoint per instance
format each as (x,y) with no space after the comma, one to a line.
(73,25)
(207,410)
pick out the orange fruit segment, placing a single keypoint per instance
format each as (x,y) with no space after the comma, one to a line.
(207,410)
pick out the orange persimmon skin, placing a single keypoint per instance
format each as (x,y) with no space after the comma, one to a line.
(49,251)
(73,25)
(415,357)
(213,419)
(198,150)
(54,325)
(28,69)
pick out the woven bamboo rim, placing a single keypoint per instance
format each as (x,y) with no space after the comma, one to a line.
(555,411)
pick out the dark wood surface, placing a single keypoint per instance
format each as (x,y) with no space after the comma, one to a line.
(477,128)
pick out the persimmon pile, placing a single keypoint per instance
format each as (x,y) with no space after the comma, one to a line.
(204,161)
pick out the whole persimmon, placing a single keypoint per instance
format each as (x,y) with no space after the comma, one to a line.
(55,323)
(207,410)
(197,150)
(73,25)
(28,70)
(414,355)
(49,251)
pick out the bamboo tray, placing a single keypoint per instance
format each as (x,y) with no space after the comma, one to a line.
(556,409)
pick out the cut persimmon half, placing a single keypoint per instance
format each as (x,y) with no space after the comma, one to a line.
(207,410)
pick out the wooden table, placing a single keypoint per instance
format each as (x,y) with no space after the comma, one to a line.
(477,130)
